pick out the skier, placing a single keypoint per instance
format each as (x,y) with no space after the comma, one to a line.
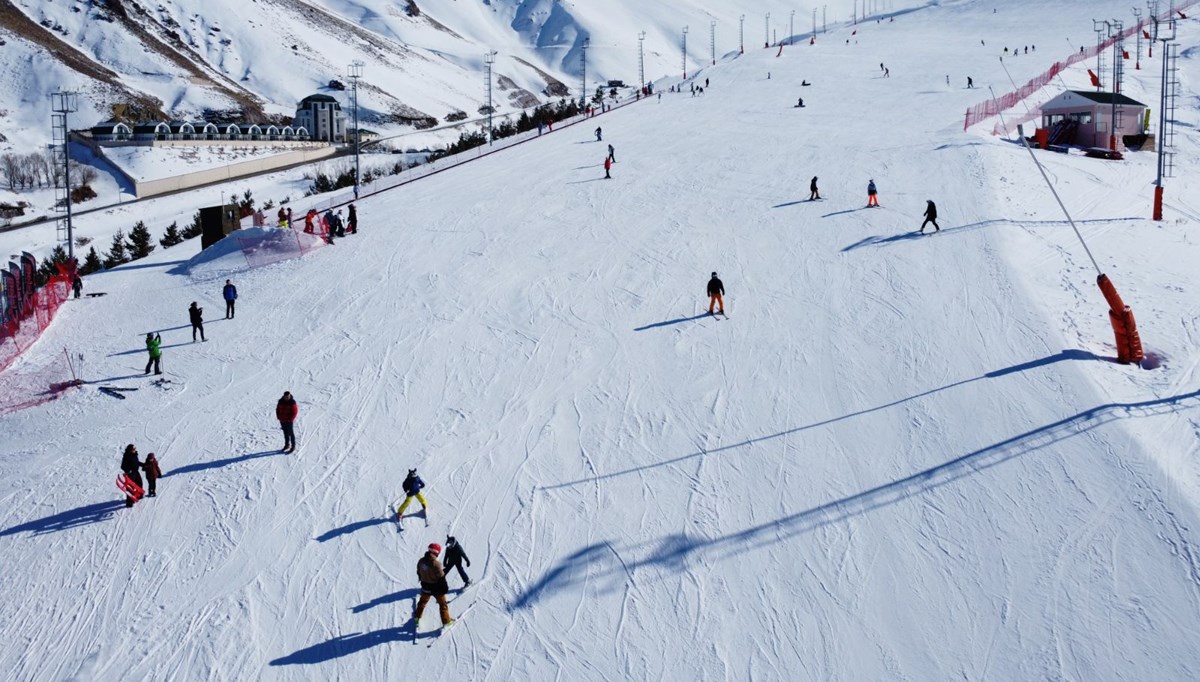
(229,293)
(282,217)
(812,188)
(455,556)
(353,220)
(327,225)
(153,473)
(289,218)
(197,315)
(611,154)
(286,411)
(930,216)
(970,83)
(412,488)
(599,137)
(715,291)
(154,348)
(433,584)
(607,166)
(77,284)
(872,199)
(799,102)
(706,82)
(130,464)
(887,73)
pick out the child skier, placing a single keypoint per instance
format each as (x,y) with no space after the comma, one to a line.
(455,556)
(872,199)
(154,348)
(153,473)
(433,584)
(812,188)
(412,488)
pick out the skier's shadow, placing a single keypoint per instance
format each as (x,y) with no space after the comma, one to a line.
(218,463)
(344,645)
(667,323)
(137,351)
(72,518)
(410,593)
(798,202)
(350,528)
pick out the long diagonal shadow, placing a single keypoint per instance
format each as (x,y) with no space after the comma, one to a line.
(410,593)
(218,463)
(344,645)
(667,323)
(878,240)
(1040,362)
(65,520)
(350,528)
(673,551)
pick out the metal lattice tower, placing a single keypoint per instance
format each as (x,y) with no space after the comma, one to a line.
(712,41)
(641,60)
(583,78)
(488,60)
(355,72)
(685,32)
(1100,28)
(1166,113)
(1137,16)
(767,30)
(63,104)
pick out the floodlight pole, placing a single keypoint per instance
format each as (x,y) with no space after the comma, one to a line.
(685,32)
(356,71)
(641,60)
(712,41)
(488,60)
(791,26)
(742,34)
(1162,116)
(767,31)
(63,104)
(583,80)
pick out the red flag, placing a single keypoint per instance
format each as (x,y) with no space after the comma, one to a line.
(1094,77)
(1146,34)
(1125,54)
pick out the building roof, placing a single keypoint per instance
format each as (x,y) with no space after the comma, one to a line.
(1106,97)
(319,98)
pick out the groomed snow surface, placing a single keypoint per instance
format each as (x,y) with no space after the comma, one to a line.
(900,457)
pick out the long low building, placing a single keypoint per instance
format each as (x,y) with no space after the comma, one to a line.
(147,132)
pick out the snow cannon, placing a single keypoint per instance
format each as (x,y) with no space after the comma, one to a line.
(1129,343)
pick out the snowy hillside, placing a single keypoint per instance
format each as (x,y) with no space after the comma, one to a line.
(899,457)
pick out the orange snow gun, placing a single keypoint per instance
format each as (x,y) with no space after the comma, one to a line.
(1129,343)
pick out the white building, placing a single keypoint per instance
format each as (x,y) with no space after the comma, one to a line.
(1085,117)
(322,117)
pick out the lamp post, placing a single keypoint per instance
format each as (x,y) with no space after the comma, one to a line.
(791,26)
(641,60)
(583,79)
(742,34)
(767,31)
(712,41)
(356,71)
(488,60)
(685,32)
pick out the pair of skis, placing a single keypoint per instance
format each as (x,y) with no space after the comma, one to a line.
(394,514)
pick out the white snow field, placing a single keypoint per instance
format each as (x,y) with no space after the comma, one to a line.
(900,457)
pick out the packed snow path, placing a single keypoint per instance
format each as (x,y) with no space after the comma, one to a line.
(892,461)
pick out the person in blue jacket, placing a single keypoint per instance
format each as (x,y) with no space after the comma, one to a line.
(412,488)
(230,295)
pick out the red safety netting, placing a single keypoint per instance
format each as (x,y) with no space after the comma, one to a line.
(992,107)
(24,386)
(277,245)
(24,325)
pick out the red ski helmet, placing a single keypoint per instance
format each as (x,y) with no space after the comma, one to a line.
(435,548)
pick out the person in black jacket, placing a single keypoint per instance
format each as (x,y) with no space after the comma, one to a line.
(812,188)
(229,293)
(197,315)
(930,216)
(715,291)
(130,464)
(455,556)
(353,220)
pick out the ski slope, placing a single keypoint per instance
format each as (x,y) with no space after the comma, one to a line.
(900,457)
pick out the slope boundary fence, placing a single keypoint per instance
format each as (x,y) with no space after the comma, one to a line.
(997,105)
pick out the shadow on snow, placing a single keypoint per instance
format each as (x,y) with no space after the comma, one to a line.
(345,645)
(218,463)
(72,518)
(410,593)
(667,323)
(350,528)
(674,551)
(879,240)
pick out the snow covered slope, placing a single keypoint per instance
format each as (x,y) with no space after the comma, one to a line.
(900,457)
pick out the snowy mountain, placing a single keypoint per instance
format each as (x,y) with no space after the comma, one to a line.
(900,456)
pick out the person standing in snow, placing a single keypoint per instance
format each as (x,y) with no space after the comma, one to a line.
(607,167)
(599,137)
(282,217)
(153,473)
(286,411)
(229,293)
(308,220)
(812,188)
(930,216)
(77,284)
(353,220)
(433,584)
(611,154)
(154,348)
(289,218)
(412,486)
(338,225)
(716,290)
(970,83)
(130,464)
(872,198)
(327,225)
(197,316)
(455,556)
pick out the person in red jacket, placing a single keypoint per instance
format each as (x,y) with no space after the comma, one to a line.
(153,473)
(286,411)
(607,166)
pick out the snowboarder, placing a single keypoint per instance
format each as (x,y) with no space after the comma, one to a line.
(812,188)
(611,154)
(599,137)
(433,584)
(412,488)
(930,216)
(153,473)
(197,316)
(77,284)
(286,411)
(872,199)
(455,556)
(352,221)
(715,292)
(607,167)
(154,348)
(229,293)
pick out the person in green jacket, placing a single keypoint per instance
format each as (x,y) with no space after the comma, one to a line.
(154,348)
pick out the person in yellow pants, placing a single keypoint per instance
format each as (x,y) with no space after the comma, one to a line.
(412,488)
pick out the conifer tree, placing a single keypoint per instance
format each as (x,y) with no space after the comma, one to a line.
(141,243)
(116,253)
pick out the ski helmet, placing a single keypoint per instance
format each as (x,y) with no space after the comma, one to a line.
(450,541)
(435,548)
